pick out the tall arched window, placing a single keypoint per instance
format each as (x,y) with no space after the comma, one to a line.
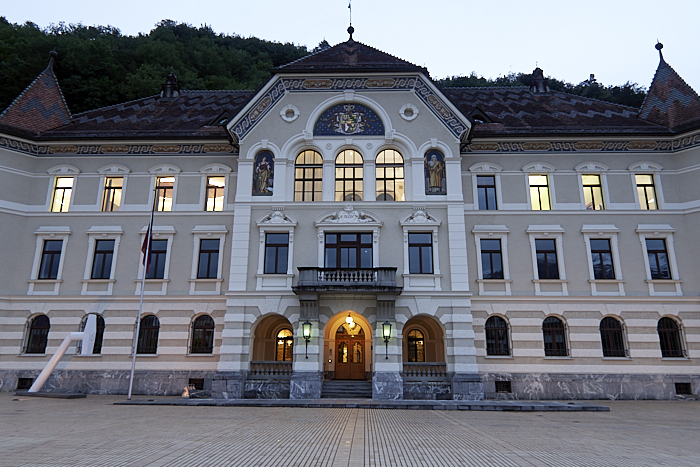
(611,338)
(308,176)
(348,176)
(202,335)
(497,336)
(670,338)
(285,346)
(416,346)
(148,335)
(99,334)
(554,337)
(390,178)
(38,334)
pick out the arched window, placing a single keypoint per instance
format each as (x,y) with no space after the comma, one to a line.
(390,182)
(285,345)
(38,334)
(148,335)
(416,346)
(670,338)
(497,336)
(202,335)
(308,176)
(99,334)
(348,176)
(611,338)
(554,337)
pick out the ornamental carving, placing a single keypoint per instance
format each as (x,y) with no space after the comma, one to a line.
(277,218)
(349,216)
(419,216)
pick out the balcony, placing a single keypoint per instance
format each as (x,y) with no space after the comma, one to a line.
(347,280)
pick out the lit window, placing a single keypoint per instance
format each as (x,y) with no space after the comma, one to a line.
(215,193)
(208,259)
(50,259)
(61,194)
(554,337)
(389,171)
(112,198)
(486,191)
(496,336)
(659,267)
(102,261)
(202,335)
(601,257)
(37,337)
(285,345)
(164,193)
(539,193)
(308,177)
(670,338)
(348,250)
(159,251)
(416,346)
(646,192)
(348,176)
(276,250)
(592,192)
(547,265)
(148,335)
(420,253)
(611,338)
(491,259)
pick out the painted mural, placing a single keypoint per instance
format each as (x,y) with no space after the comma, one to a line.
(435,183)
(349,119)
(263,174)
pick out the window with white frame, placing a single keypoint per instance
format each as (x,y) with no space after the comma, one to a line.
(275,269)
(486,183)
(349,176)
(112,193)
(493,274)
(157,274)
(646,192)
(100,264)
(420,253)
(660,259)
(592,192)
(165,184)
(539,192)
(214,182)
(421,256)
(62,192)
(49,257)
(546,243)
(605,274)
(207,259)
(390,176)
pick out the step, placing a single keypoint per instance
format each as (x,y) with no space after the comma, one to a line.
(346,389)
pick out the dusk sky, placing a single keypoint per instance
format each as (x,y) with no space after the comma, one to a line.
(612,39)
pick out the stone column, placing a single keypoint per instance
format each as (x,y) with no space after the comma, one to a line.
(387,382)
(307,377)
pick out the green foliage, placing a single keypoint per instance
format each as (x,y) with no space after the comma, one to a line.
(629,94)
(98,66)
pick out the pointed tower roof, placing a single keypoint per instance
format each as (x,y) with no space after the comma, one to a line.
(349,56)
(671,102)
(41,106)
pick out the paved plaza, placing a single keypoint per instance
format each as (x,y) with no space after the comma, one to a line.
(95,432)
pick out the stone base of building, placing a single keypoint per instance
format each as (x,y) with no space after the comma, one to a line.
(547,386)
(387,386)
(228,385)
(306,385)
(467,387)
(420,391)
(146,383)
(255,389)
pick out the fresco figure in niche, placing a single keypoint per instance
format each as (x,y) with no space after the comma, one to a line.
(263,174)
(435,173)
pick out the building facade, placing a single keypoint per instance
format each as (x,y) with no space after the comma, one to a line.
(352,221)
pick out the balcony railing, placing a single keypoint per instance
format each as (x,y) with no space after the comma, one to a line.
(327,279)
(425,372)
(270,370)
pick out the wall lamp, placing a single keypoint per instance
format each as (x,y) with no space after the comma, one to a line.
(306,333)
(386,332)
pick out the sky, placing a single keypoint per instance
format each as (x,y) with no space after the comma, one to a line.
(569,40)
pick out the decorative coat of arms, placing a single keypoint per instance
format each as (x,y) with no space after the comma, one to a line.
(349,119)
(349,122)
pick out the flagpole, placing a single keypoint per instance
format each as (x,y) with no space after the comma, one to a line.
(146,263)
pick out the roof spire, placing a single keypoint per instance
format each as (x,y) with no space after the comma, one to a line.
(52,56)
(658,47)
(350,29)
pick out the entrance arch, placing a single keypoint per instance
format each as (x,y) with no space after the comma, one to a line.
(348,347)
(273,340)
(423,340)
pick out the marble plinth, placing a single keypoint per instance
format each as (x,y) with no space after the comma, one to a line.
(266,390)
(427,391)
(228,385)
(306,385)
(387,386)
(467,387)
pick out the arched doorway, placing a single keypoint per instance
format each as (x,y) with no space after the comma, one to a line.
(273,340)
(350,351)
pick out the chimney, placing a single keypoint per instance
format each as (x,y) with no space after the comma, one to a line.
(170,90)
(539,82)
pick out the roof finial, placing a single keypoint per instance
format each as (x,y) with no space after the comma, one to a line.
(658,47)
(52,56)
(350,29)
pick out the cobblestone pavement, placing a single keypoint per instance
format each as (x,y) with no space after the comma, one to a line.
(94,432)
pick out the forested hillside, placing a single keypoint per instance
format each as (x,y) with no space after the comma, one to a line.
(98,66)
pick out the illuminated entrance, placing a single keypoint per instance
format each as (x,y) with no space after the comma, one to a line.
(350,351)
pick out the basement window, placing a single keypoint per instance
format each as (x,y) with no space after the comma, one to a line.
(684,389)
(503,386)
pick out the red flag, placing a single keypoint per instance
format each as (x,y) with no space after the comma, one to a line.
(146,248)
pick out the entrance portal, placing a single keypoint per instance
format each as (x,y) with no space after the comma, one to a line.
(350,348)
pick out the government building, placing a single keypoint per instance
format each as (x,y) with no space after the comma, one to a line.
(353,230)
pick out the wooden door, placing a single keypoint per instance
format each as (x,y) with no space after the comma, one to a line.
(350,352)
(357,364)
(342,364)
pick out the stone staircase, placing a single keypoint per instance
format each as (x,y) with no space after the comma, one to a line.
(346,389)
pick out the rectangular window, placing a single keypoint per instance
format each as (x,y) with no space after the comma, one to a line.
(491,259)
(547,266)
(592,192)
(164,193)
(658,258)
(208,259)
(276,253)
(50,259)
(102,261)
(348,251)
(215,193)
(486,191)
(61,194)
(159,251)
(112,198)
(420,253)
(646,192)
(539,193)
(601,257)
